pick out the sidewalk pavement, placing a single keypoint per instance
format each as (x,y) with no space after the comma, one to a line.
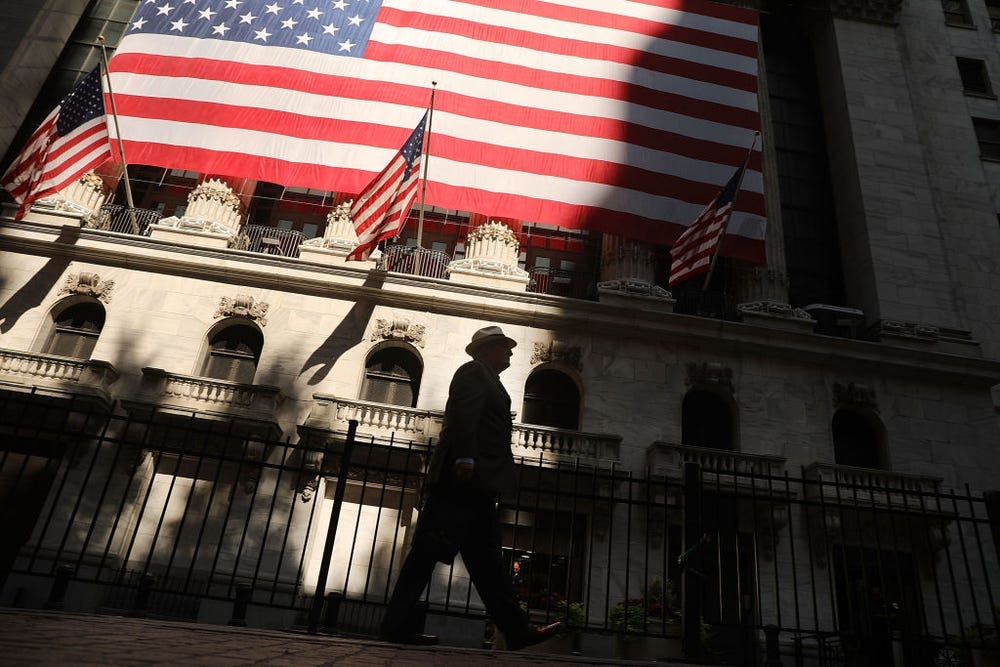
(49,638)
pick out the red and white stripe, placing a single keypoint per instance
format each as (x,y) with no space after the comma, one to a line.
(692,253)
(563,112)
(48,163)
(380,211)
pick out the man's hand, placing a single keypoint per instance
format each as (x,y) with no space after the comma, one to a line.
(463,470)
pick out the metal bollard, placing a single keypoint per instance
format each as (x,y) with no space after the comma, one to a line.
(57,595)
(141,600)
(333,601)
(419,617)
(771,655)
(240,604)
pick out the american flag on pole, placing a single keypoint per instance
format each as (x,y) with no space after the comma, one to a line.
(70,141)
(692,253)
(381,209)
(616,116)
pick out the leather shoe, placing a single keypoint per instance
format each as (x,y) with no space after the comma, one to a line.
(415,639)
(532,635)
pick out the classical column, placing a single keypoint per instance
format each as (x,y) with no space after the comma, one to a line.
(338,240)
(212,217)
(491,254)
(628,271)
(85,196)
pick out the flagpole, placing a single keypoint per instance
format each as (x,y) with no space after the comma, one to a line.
(426,159)
(718,246)
(118,134)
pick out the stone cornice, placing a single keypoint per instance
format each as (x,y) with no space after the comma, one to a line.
(252,270)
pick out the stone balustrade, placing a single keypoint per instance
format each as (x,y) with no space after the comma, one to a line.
(666,458)
(62,375)
(529,440)
(402,423)
(378,420)
(209,395)
(870,486)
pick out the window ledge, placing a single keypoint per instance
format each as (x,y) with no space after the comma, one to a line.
(964,26)
(984,96)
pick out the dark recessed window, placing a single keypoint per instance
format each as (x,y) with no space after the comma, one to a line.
(993,7)
(551,398)
(856,441)
(75,330)
(988,136)
(233,354)
(706,421)
(956,12)
(975,79)
(392,376)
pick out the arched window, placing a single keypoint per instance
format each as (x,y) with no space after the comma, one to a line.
(706,421)
(392,376)
(551,398)
(233,353)
(856,440)
(75,330)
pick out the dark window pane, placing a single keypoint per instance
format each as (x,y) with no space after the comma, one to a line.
(706,421)
(234,353)
(855,442)
(988,135)
(551,398)
(76,330)
(974,76)
(392,376)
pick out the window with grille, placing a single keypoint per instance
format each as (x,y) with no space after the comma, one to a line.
(988,135)
(956,12)
(233,354)
(706,421)
(551,398)
(975,79)
(75,330)
(392,376)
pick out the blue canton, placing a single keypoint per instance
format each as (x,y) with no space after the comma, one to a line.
(84,104)
(411,149)
(338,27)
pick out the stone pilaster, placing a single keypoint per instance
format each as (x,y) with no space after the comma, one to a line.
(628,270)
(85,196)
(338,240)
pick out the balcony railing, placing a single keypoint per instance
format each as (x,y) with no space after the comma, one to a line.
(415,261)
(575,284)
(871,487)
(379,420)
(63,374)
(125,220)
(270,240)
(530,440)
(258,402)
(669,458)
(384,421)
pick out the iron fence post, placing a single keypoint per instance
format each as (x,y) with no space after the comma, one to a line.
(240,604)
(331,534)
(57,594)
(692,591)
(992,499)
(141,601)
(771,655)
(330,618)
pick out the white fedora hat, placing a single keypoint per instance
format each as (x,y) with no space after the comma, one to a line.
(487,335)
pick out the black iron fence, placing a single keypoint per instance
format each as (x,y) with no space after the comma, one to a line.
(170,515)
(415,261)
(125,220)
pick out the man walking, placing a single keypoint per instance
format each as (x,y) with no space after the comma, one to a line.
(469,468)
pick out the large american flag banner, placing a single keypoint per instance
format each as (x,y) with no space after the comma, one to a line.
(381,209)
(622,116)
(72,140)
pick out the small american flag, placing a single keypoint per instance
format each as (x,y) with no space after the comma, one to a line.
(70,141)
(692,253)
(381,209)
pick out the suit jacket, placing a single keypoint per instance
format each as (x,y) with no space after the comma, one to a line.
(477,425)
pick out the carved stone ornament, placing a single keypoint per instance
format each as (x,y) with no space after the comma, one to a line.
(399,329)
(339,233)
(871,11)
(556,351)
(88,284)
(634,288)
(775,308)
(909,329)
(853,395)
(708,374)
(243,306)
